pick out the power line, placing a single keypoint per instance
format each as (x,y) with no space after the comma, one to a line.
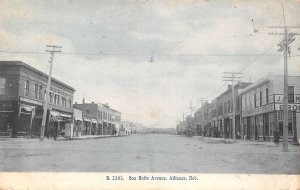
(127,54)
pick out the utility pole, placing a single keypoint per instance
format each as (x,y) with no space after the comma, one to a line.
(191,108)
(202,101)
(285,48)
(232,77)
(46,101)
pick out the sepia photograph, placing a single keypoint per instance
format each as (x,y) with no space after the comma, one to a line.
(131,93)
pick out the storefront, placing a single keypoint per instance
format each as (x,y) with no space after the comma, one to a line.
(258,123)
(57,124)
(77,122)
(8,115)
(293,117)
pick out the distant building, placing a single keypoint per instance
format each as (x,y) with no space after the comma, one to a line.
(262,108)
(22,91)
(99,119)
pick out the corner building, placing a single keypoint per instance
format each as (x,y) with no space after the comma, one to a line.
(22,93)
(262,108)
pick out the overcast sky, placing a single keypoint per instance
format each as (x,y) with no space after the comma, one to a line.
(108,45)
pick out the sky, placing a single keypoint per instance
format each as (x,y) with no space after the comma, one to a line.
(107,47)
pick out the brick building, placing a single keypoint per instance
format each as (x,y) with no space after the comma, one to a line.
(22,90)
(99,119)
(224,111)
(262,105)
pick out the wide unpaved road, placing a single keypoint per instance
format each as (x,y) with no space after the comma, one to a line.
(148,153)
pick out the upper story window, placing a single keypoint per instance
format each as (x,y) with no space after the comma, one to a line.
(255,100)
(69,104)
(2,86)
(36,90)
(260,98)
(51,97)
(40,92)
(267,95)
(26,88)
(64,101)
(290,94)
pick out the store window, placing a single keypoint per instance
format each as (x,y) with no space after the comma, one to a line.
(2,86)
(290,94)
(280,117)
(271,123)
(26,88)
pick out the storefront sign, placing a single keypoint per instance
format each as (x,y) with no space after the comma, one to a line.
(279,98)
(258,110)
(291,107)
(23,99)
(297,98)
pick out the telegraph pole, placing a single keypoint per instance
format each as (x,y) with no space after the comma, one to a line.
(53,49)
(191,108)
(232,77)
(285,48)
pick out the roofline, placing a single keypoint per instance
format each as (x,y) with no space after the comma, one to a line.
(21,63)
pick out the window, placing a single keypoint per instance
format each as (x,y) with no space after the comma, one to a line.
(26,88)
(55,98)
(290,94)
(229,106)
(260,98)
(36,90)
(70,103)
(2,86)
(51,97)
(254,100)
(64,101)
(40,92)
(267,95)
(58,99)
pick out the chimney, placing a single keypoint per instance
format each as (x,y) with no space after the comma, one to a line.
(75,102)
(93,102)
(83,101)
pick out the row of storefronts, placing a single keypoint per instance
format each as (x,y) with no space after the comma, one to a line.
(22,94)
(258,111)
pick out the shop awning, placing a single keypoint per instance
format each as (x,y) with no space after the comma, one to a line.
(94,121)
(87,119)
(65,115)
(77,119)
(54,113)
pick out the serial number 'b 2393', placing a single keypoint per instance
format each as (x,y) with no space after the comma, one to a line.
(114,178)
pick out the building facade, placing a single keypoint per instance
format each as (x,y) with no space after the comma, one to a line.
(99,119)
(22,93)
(223,111)
(262,105)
